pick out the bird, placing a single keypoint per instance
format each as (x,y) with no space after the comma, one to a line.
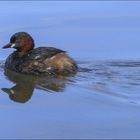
(46,61)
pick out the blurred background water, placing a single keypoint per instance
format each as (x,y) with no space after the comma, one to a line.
(102,100)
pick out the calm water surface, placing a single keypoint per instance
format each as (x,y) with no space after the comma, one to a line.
(102,100)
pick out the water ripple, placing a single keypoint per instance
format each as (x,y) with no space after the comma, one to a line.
(120,79)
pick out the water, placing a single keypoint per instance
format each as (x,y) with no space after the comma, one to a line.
(102,100)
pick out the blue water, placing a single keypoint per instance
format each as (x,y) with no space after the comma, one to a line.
(102,100)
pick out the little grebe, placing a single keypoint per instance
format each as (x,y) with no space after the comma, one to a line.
(38,61)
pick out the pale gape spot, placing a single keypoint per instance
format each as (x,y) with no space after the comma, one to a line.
(13,45)
(12,92)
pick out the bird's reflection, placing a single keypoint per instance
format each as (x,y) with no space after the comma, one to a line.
(24,85)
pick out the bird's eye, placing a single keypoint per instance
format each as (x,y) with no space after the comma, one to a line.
(13,39)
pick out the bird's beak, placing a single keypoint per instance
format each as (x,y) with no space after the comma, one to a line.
(9,45)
